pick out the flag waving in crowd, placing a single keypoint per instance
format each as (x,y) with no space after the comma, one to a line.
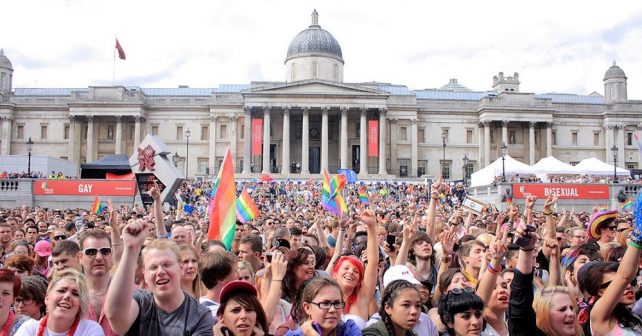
(332,199)
(97,206)
(246,209)
(363,196)
(222,209)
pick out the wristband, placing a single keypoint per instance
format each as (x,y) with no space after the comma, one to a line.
(491,269)
(531,249)
(634,244)
(547,213)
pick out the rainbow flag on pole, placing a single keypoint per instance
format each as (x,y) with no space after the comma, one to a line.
(246,209)
(331,197)
(626,205)
(363,196)
(97,206)
(222,210)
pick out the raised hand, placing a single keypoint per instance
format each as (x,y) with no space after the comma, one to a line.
(550,200)
(134,234)
(279,266)
(154,192)
(448,243)
(368,218)
(530,202)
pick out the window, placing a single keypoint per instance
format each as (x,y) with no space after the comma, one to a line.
(574,138)
(20,132)
(65,134)
(554,135)
(469,136)
(202,166)
(242,131)
(155,130)
(631,165)
(403,133)
(315,71)
(179,132)
(421,135)
(629,138)
(130,134)
(596,138)
(403,167)
(110,132)
(205,132)
(223,132)
(511,137)
(469,169)
(85,130)
(445,169)
(492,136)
(43,132)
(421,167)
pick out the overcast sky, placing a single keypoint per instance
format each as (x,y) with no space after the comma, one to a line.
(556,46)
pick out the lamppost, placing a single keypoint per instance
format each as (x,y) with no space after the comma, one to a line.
(614,153)
(466,160)
(504,149)
(175,159)
(443,140)
(187,134)
(29,147)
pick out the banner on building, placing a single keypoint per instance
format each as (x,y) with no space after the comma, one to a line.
(563,191)
(373,137)
(257,136)
(85,187)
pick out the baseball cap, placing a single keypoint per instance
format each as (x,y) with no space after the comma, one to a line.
(43,248)
(399,272)
(237,287)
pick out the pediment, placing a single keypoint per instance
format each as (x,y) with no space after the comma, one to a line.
(315,87)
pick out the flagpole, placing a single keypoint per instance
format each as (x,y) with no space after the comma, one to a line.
(113,68)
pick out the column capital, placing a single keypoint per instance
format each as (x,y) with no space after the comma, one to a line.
(119,118)
(505,123)
(549,124)
(532,124)
(139,119)
(213,117)
(91,118)
(639,126)
(266,109)
(305,109)
(383,110)
(609,126)
(247,109)
(72,118)
(485,123)
(344,109)
(5,118)
(325,109)
(393,121)
(286,108)
(234,117)
(413,121)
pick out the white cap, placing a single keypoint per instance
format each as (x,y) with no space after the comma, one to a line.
(399,272)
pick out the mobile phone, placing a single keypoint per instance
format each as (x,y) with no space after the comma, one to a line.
(317,327)
(523,241)
(268,256)
(390,239)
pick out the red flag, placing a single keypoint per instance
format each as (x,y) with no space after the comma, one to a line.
(121,52)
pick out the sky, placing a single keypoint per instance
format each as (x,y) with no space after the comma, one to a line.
(555,46)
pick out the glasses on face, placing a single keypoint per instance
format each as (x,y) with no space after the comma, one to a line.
(633,283)
(458,291)
(612,228)
(60,237)
(622,229)
(24,301)
(327,305)
(91,252)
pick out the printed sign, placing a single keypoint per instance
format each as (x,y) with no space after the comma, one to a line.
(373,137)
(257,136)
(84,187)
(563,191)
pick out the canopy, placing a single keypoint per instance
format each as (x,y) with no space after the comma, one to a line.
(593,166)
(552,166)
(487,175)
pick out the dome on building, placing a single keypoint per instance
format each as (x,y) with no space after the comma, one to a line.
(614,72)
(5,63)
(314,41)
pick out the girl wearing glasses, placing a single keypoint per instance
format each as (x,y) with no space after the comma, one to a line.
(399,311)
(319,309)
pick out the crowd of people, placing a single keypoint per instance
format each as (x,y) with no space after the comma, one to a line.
(411,261)
(32,174)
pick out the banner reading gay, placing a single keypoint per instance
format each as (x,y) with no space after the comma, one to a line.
(563,191)
(85,187)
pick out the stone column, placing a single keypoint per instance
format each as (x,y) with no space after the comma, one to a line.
(608,141)
(285,158)
(504,132)
(531,142)
(90,138)
(324,138)
(233,138)
(305,141)
(549,139)
(394,133)
(413,147)
(486,143)
(137,135)
(6,135)
(247,144)
(344,138)
(71,145)
(266,140)
(481,145)
(119,134)
(621,133)
(382,141)
(212,150)
(363,143)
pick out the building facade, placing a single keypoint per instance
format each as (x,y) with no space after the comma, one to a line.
(314,120)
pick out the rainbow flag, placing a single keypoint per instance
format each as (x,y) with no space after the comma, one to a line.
(363,196)
(246,209)
(97,207)
(626,205)
(331,197)
(221,210)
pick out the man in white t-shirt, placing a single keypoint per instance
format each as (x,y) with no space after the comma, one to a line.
(216,270)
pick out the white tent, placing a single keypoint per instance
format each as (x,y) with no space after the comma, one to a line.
(552,166)
(593,166)
(487,175)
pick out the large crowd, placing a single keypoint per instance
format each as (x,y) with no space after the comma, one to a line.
(410,262)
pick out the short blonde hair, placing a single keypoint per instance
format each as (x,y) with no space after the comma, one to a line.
(79,278)
(542,308)
(162,244)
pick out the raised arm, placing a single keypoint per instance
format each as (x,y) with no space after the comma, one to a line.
(338,246)
(432,209)
(447,246)
(521,316)
(121,309)
(158,211)
(279,265)
(487,283)
(555,277)
(402,256)
(323,240)
(116,243)
(550,222)
(372,250)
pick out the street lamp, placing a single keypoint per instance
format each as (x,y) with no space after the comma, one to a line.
(443,140)
(466,160)
(504,149)
(187,134)
(614,152)
(29,147)
(175,159)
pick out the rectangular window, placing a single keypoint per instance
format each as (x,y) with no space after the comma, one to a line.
(65,134)
(43,132)
(421,167)
(315,71)
(202,165)
(155,130)
(421,135)
(445,169)
(241,131)
(179,132)
(469,136)
(223,132)
(403,167)
(403,133)
(511,137)
(469,169)
(110,132)
(631,165)
(574,138)
(20,132)
(492,136)
(85,130)
(205,132)
(554,135)
(596,138)
(629,138)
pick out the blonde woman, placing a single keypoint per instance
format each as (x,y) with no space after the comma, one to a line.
(190,280)
(556,312)
(245,272)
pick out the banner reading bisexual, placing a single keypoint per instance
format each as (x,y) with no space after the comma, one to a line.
(563,191)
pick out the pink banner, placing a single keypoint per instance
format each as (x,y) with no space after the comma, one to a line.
(257,136)
(373,137)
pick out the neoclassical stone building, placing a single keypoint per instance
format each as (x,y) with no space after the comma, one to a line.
(315,120)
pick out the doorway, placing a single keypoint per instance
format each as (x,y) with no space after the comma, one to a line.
(315,160)
(356,158)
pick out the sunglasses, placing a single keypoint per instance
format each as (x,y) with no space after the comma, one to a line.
(622,229)
(633,283)
(61,237)
(458,291)
(91,252)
